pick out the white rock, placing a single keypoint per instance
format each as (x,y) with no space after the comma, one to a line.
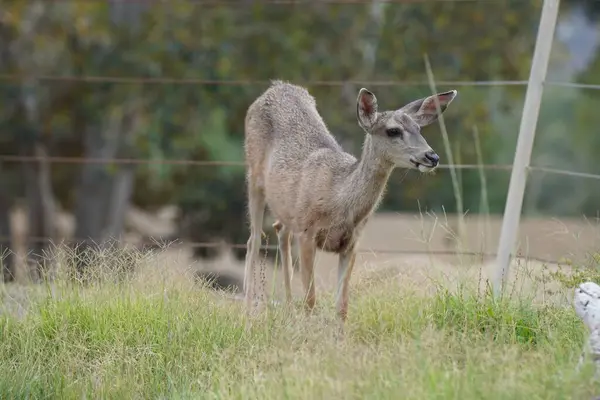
(587,306)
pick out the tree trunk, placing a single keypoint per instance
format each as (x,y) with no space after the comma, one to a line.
(121,192)
(40,207)
(6,254)
(92,196)
(103,195)
(38,183)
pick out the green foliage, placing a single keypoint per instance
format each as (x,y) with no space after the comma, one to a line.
(465,313)
(117,335)
(500,319)
(258,42)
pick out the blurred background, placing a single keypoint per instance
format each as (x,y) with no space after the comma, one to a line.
(123,120)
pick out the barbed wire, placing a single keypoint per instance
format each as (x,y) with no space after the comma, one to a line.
(265,82)
(207,163)
(204,163)
(242,82)
(135,161)
(262,82)
(565,172)
(274,2)
(573,85)
(156,242)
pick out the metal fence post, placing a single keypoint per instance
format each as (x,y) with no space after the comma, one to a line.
(531,108)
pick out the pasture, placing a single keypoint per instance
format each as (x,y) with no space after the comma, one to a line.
(419,327)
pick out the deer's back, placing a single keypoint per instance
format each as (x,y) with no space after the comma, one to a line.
(289,150)
(292,123)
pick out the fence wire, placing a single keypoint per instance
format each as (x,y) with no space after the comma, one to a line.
(8,158)
(242,82)
(156,242)
(249,3)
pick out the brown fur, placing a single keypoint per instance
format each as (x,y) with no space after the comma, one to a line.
(318,192)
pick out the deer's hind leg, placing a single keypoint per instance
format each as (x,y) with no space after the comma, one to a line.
(256,210)
(308,250)
(284,237)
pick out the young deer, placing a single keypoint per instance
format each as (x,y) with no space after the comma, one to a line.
(317,192)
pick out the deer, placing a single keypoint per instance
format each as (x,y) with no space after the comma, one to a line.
(317,193)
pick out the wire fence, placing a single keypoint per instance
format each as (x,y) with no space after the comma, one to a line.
(207,163)
(102,79)
(238,3)
(245,82)
(160,243)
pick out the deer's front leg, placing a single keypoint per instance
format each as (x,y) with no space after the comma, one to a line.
(345,267)
(308,249)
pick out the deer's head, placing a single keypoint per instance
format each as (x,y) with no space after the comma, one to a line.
(396,135)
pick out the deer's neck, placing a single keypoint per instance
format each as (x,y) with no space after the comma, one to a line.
(363,188)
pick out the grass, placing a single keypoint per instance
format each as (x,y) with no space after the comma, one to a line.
(158,335)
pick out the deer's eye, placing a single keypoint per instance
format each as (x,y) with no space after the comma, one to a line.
(394,132)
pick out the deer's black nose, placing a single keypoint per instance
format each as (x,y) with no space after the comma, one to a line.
(432,157)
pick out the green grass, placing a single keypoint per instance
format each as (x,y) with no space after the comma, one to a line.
(171,339)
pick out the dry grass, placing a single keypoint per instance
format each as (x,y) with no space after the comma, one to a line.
(157,334)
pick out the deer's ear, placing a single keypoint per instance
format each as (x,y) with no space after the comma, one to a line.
(424,111)
(366,109)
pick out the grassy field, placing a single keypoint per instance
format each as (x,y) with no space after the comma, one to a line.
(160,335)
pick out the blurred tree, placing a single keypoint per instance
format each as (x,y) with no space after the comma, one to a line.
(252,41)
(23,28)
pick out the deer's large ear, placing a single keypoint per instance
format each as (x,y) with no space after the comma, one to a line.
(424,111)
(366,109)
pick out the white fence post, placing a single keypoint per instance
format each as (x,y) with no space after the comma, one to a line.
(531,108)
